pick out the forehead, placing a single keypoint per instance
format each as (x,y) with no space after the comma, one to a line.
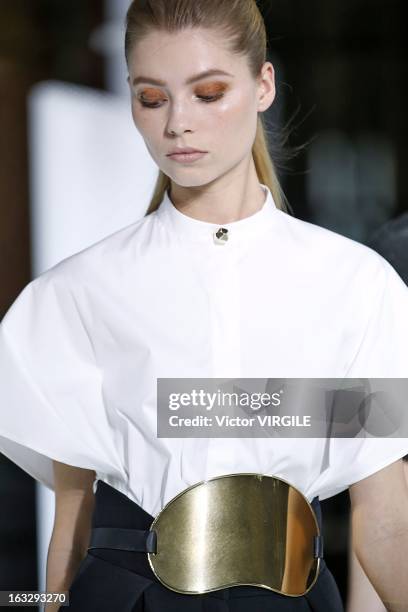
(174,56)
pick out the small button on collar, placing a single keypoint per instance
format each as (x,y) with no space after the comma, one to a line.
(221,235)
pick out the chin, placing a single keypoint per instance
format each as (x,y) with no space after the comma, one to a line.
(191,178)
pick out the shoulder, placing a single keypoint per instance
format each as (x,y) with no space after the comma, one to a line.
(316,238)
(67,285)
(330,255)
(103,259)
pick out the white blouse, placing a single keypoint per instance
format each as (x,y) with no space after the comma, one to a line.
(83,344)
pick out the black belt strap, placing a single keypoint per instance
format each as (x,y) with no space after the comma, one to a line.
(142,540)
(136,540)
(318,547)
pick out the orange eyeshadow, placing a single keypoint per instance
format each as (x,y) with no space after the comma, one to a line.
(211,89)
(152,94)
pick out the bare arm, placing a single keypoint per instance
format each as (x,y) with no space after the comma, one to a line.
(379,522)
(361,593)
(74,502)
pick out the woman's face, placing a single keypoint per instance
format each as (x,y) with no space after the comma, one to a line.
(177,102)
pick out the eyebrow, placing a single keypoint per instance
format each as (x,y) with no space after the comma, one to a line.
(193,79)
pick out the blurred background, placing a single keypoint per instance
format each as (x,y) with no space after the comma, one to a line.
(68,174)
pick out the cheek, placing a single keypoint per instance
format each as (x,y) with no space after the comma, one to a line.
(147,122)
(235,118)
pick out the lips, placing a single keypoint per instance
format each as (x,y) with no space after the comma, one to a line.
(186,155)
(184,151)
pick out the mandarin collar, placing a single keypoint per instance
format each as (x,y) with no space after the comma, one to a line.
(193,230)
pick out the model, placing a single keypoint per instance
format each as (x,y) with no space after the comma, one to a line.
(217,280)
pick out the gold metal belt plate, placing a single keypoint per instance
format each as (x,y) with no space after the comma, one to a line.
(237,529)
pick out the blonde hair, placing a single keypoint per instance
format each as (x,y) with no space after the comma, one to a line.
(245,31)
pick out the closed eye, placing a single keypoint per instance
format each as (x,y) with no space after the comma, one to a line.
(158,103)
(211,98)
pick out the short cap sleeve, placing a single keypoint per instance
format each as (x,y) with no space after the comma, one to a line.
(51,388)
(383,348)
(382,353)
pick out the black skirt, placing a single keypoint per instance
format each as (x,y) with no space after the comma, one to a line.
(122,581)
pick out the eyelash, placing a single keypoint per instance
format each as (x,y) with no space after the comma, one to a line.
(205,99)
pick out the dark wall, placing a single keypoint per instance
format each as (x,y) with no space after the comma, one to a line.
(345,64)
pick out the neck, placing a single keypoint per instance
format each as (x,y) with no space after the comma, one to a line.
(231,197)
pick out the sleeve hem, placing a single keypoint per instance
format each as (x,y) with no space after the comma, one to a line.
(386,462)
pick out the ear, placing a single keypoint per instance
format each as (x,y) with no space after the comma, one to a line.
(266,87)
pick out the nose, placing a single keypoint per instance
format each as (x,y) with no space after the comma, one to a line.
(179,121)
